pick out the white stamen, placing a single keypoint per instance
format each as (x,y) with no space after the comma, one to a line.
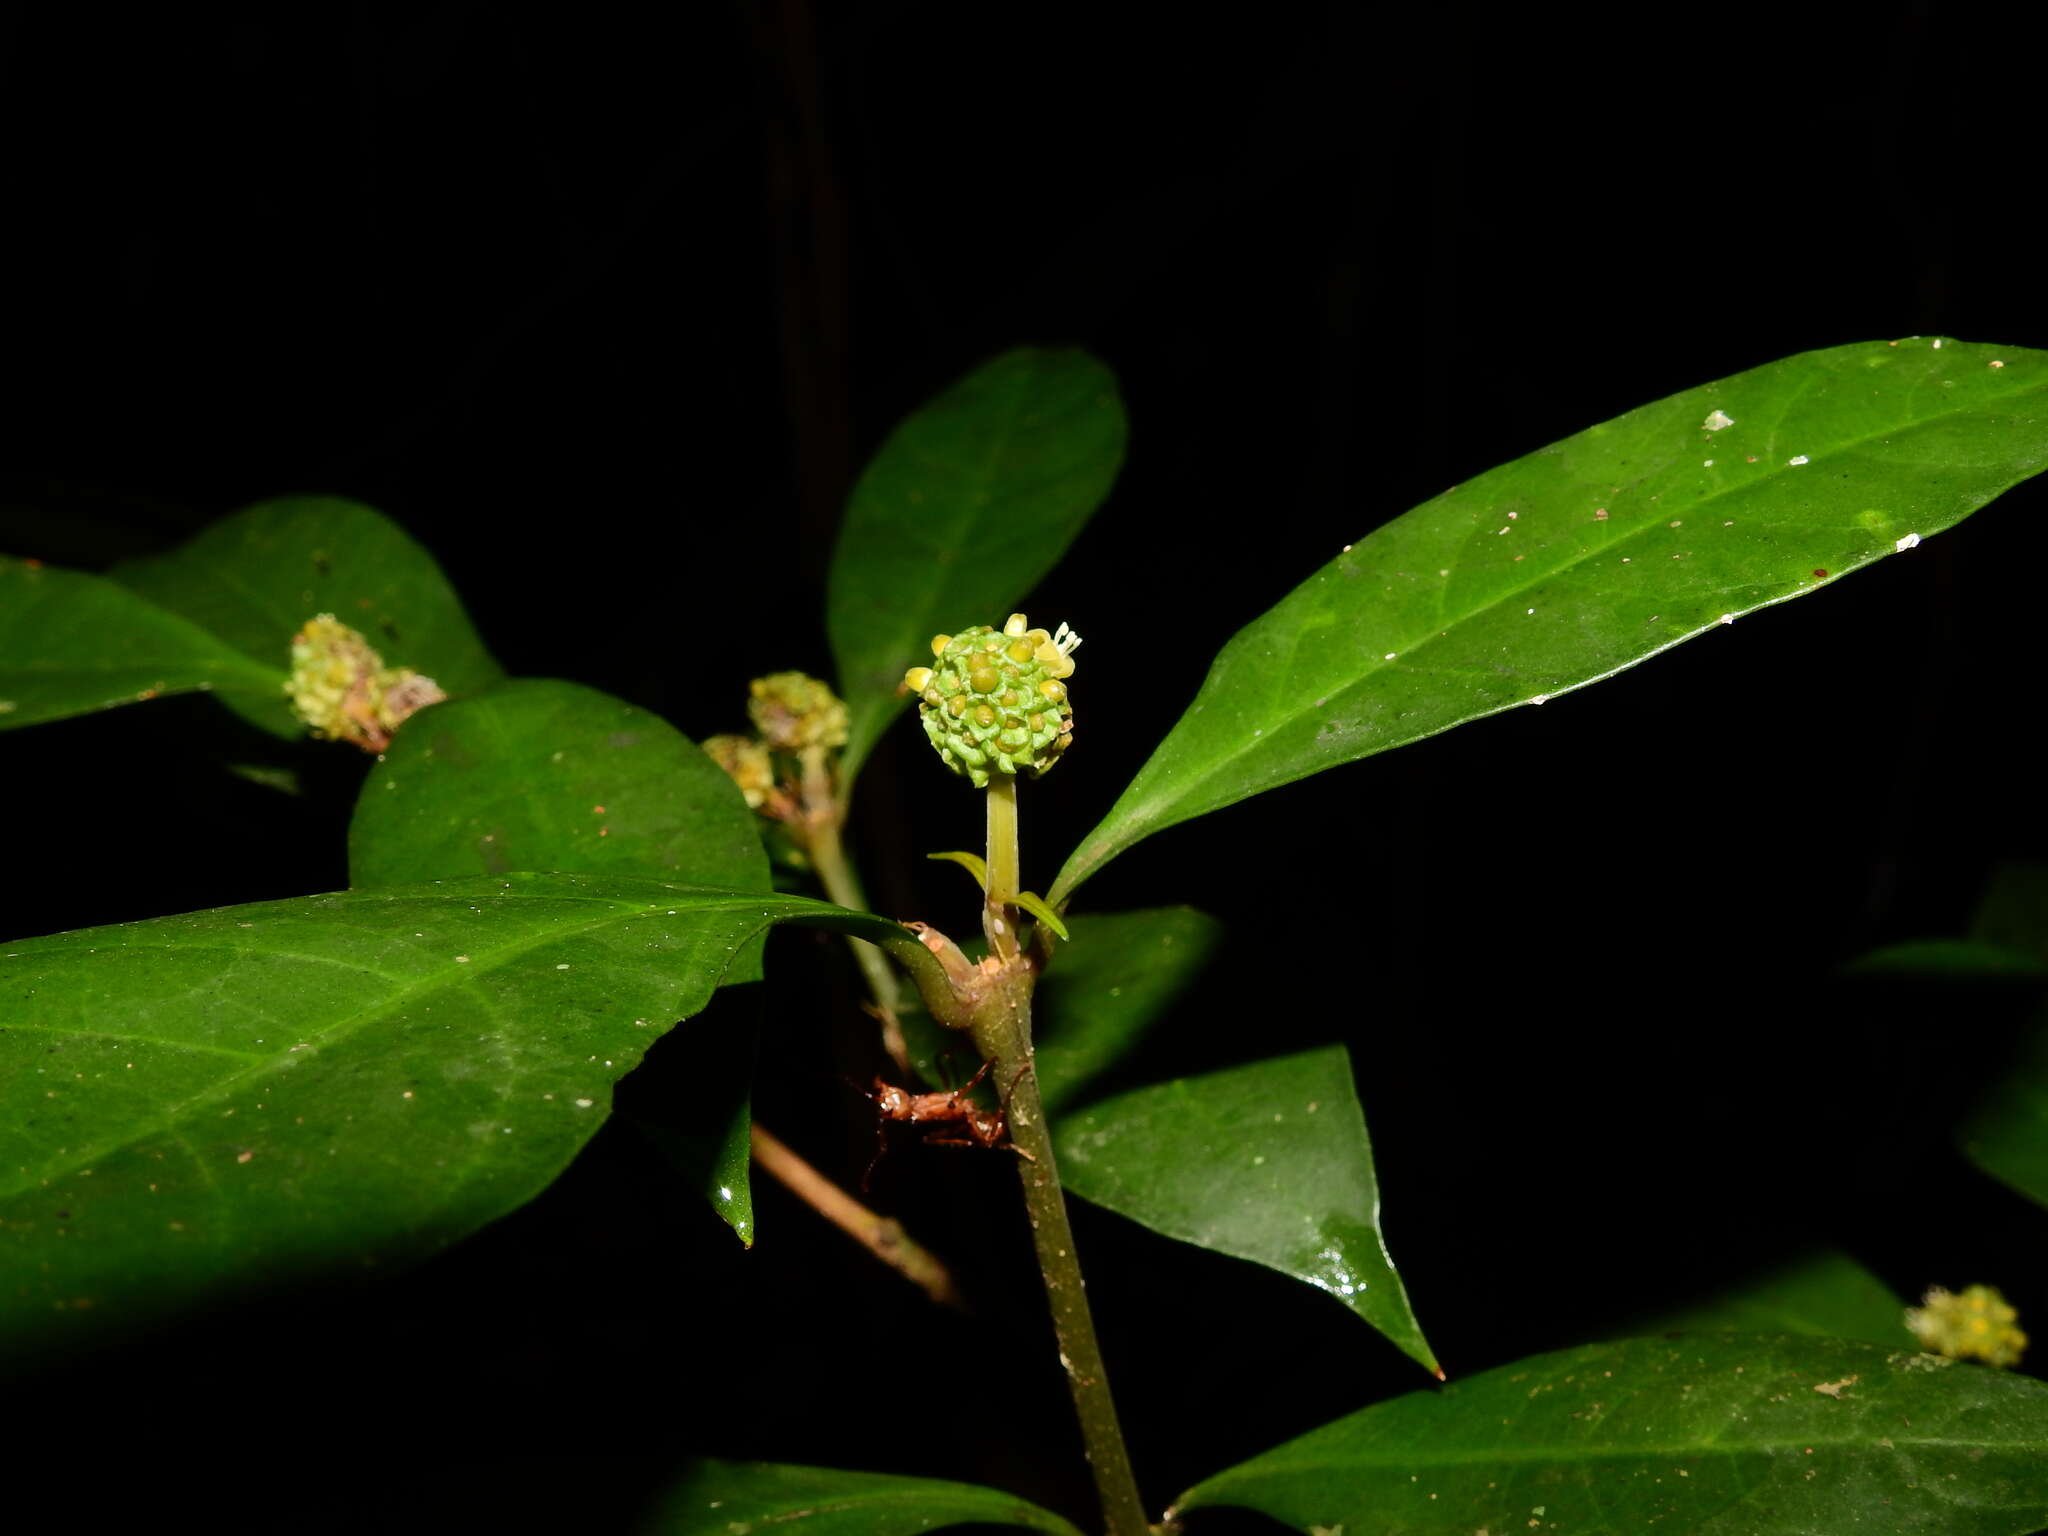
(1065,641)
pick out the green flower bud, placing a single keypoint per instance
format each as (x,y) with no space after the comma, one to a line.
(341,688)
(995,701)
(793,711)
(745,761)
(1980,1324)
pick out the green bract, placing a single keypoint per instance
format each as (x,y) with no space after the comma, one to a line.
(995,701)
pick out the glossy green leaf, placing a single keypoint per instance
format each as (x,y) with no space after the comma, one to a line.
(969,502)
(1105,992)
(1823,1294)
(550,776)
(1586,557)
(2007,1133)
(1269,1162)
(733,1498)
(252,579)
(72,643)
(197,1104)
(1719,1435)
(544,775)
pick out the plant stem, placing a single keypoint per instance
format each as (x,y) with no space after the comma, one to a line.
(882,1236)
(1005,1039)
(998,918)
(1001,1024)
(835,873)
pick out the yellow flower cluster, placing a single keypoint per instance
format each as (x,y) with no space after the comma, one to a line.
(1980,1324)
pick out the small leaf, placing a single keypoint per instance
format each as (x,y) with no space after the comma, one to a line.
(1269,1162)
(1714,1436)
(722,1498)
(1823,1294)
(1032,902)
(72,643)
(193,1105)
(970,501)
(973,863)
(1102,995)
(251,580)
(1586,557)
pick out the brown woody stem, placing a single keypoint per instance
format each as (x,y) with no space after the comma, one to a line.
(880,1235)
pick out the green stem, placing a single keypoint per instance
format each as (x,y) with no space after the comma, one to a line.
(1004,1037)
(998,917)
(835,873)
(1002,1033)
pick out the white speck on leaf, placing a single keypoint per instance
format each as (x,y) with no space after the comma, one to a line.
(1910,541)
(1716,420)
(1727,618)
(1799,458)
(584,1103)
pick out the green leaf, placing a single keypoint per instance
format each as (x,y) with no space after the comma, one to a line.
(251,580)
(542,775)
(969,502)
(729,1498)
(1822,1294)
(2006,1135)
(1947,960)
(72,643)
(225,1099)
(1102,995)
(701,1119)
(552,776)
(1586,557)
(1269,1162)
(1712,1436)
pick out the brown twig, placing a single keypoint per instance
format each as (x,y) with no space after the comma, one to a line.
(883,1236)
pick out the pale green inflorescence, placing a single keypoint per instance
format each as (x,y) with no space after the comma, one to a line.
(995,701)
(746,761)
(1979,1324)
(793,710)
(340,687)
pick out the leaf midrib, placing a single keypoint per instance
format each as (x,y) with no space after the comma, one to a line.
(338,1030)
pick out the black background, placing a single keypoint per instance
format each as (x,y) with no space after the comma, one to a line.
(608,306)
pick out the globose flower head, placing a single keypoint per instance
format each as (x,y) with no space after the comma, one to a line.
(794,711)
(995,701)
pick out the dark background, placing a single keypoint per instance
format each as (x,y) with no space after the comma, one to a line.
(608,307)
